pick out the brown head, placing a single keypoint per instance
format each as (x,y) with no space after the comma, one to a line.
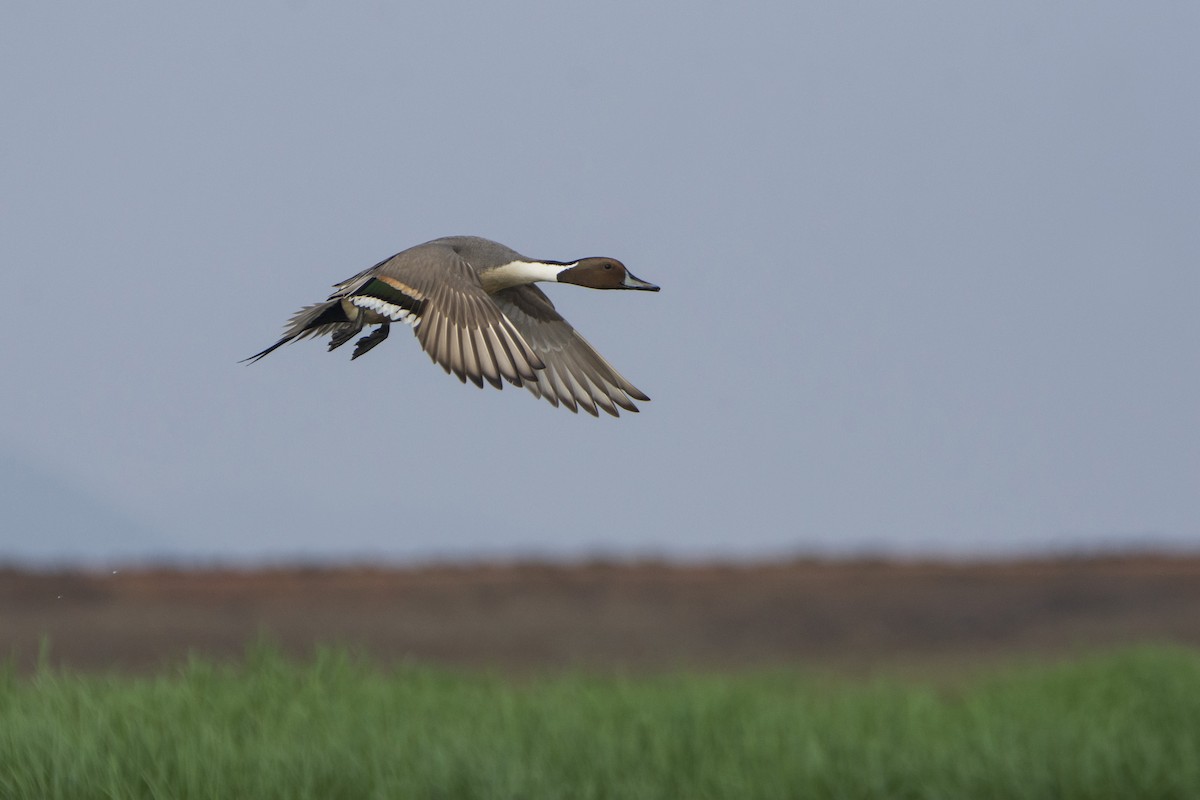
(603,273)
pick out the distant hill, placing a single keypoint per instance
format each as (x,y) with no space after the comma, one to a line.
(48,519)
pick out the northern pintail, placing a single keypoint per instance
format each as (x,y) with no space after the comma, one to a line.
(475,311)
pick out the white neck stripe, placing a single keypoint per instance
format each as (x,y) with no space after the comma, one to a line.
(518,273)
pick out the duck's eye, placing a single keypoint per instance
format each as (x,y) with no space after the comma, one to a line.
(608,266)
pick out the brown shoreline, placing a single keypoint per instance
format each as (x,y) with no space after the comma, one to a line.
(857,615)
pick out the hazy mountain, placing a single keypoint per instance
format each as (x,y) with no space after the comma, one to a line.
(48,519)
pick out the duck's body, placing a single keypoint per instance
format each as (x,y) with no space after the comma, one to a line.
(475,311)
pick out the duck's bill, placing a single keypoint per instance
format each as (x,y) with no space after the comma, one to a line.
(631,282)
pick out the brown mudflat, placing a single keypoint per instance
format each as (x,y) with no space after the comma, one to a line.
(856,615)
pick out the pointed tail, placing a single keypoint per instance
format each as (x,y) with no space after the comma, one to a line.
(315,320)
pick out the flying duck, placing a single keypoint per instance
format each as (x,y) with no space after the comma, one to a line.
(475,310)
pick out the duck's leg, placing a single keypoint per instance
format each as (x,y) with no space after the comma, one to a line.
(343,335)
(367,342)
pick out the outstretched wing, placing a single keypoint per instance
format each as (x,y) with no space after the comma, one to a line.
(456,321)
(574,374)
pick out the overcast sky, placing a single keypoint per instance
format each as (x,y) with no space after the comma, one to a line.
(930,276)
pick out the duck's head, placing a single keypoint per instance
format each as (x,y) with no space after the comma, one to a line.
(603,273)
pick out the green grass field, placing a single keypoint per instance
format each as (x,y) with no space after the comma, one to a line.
(1126,725)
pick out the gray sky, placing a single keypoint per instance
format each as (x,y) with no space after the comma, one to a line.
(931,275)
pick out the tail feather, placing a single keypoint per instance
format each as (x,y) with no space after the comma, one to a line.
(270,349)
(314,320)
